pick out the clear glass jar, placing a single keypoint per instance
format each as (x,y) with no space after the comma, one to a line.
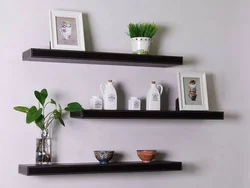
(43,149)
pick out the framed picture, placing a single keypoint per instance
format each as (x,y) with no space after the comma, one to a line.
(66,30)
(192,91)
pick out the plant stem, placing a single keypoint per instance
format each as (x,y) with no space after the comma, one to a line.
(50,120)
(49,114)
(45,107)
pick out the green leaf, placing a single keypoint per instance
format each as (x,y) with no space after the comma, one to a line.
(41,96)
(53,101)
(74,107)
(61,121)
(37,94)
(40,122)
(21,109)
(57,114)
(60,108)
(44,93)
(33,114)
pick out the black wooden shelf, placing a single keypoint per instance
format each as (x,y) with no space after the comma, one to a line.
(127,114)
(84,168)
(101,58)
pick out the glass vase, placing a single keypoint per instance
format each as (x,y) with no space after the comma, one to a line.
(43,149)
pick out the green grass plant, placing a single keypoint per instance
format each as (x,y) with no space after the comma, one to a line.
(142,30)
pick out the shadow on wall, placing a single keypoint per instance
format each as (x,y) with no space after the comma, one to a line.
(190,62)
(213,105)
(189,168)
(154,49)
(121,102)
(89,45)
(165,98)
(161,156)
(143,103)
(118,157)
(231,116)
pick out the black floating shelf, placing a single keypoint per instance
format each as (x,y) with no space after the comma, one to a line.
(84,168)
(126,114)
(101,58)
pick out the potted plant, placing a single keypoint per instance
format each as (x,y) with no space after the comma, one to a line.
(43,120)
(141,36)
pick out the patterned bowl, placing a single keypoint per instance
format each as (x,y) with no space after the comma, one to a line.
(146,155)
(104,156)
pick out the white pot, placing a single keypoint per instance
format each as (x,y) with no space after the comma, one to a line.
(141,45)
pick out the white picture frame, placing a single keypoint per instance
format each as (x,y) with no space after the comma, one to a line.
(192,87)
(66,30)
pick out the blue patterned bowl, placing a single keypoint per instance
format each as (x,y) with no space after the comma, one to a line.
(104,156)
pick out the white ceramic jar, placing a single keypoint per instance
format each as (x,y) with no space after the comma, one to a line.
(141,45)
(96,103)
(134,103)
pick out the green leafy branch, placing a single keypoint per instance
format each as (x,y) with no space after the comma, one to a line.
(37,114)
(142,30)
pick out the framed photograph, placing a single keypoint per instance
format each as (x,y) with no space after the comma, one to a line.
(66,30)
(192,91)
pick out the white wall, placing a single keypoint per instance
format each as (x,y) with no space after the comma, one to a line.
(213,36)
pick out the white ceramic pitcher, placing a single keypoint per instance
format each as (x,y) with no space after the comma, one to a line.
(109,95)
(154,97)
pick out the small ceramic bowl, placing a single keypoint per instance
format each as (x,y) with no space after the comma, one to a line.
(104,156)
(146,155)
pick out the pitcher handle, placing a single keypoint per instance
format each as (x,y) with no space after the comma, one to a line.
(102,88)
(160,88)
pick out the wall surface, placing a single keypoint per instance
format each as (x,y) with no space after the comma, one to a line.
(213,36)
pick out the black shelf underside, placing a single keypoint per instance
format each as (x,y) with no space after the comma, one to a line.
(126,114)
(100,58)
(60,169)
